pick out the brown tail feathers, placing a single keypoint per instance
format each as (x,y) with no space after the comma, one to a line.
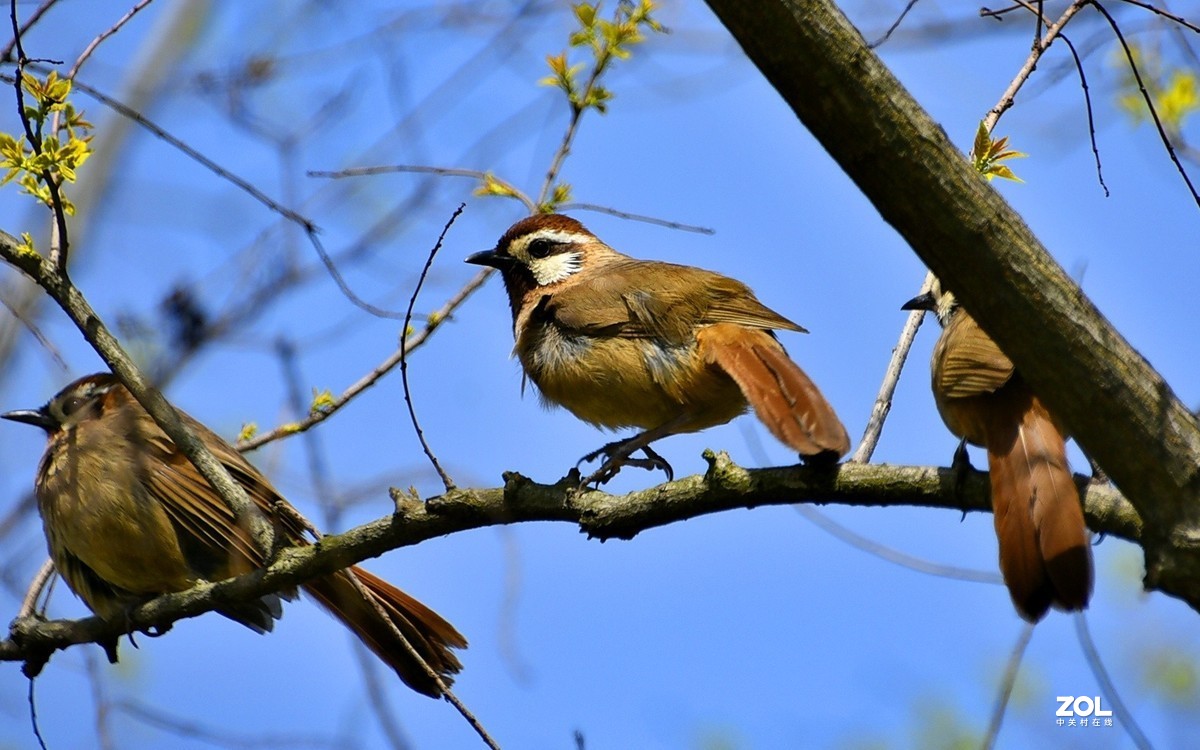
(1044,551)
(783,397)
(429,635)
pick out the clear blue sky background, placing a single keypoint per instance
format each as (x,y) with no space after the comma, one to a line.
(750,629)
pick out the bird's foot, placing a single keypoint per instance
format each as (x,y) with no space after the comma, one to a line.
(961,466)
(618,455)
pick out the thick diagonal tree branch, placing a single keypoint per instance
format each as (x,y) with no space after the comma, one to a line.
(724,487)
(1119,409)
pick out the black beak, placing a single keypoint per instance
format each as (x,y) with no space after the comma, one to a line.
(924,301)
(491,258)
(35,417)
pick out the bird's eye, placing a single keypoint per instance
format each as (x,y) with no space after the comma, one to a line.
(71,405)
(541,247)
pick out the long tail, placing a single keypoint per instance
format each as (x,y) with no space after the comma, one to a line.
(783,397)
(425,630)
(1044,552)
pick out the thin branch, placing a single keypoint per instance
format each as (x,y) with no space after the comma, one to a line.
(160,719)
(1164,13)
(891,377)
(377,695)
(895,25)
(158,132)
(637,217)
(1039,49)
(1162,132)
(342,285)
(1006,686)
(102,705)
(883,552)
(1092,655)
(412,301)
(95,43)
(432,323)
(33,717)
(1087,103)
(34,17)
(41,579)
(33,328)
(419,169)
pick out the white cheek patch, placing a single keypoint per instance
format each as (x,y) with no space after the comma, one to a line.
(555,268)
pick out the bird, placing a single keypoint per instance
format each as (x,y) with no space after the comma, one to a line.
(1045,556)
(621,342)
(127,517)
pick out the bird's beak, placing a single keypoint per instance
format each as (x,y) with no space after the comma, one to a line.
(36,417)
(924,301)
(491,258)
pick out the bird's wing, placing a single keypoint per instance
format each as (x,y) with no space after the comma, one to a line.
(207,521)
(969,363)
(648,299)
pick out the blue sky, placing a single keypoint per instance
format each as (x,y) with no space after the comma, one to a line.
(751,628)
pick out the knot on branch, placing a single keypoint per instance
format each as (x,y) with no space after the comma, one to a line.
(722,472)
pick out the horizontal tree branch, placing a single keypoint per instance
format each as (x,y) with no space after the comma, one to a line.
(724,487)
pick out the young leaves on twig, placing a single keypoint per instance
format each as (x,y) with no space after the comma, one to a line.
(55,156)
(988,153)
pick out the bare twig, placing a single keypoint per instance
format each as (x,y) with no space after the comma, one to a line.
(34,17)
(1006,686)
(158,132)
(1092,655)
(896,557)
(349,293)
(33,717)
(1010,94)
(891,377)
(37,334)
(1162,132)
(101,704)
(95,43)
(432,323)
(377,697)
(895,25)
(507,629)
(1164,13)
(40,580)
(474,174)
(160,719)
(1087,103)
(412,411)
(637,217)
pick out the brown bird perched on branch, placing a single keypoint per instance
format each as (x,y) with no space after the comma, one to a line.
(127,518)
(621,342)
(1044,551)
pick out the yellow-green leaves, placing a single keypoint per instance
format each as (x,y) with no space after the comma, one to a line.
(560,195)
(607,40)
(321,401)
(1173,91)
(249,430)
(52,157)
(492,185)
(988,153)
